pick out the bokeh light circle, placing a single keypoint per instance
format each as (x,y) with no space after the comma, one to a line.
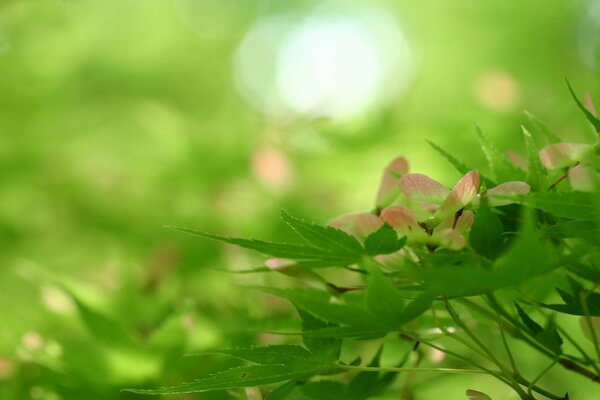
(335,62)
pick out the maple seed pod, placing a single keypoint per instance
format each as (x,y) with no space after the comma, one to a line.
(388,188)
(460,196)
(561,155)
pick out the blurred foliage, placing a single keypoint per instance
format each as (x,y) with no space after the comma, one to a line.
(118,117)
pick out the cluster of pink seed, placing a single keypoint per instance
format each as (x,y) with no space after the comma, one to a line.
(425,211)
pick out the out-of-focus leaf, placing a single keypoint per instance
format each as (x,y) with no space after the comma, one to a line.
(459,165)
(590,117)
(540,129)
(283,391)
(384,300)
(589,230)
(418,306)
(537,176)
(502,169)
(323,390)
(573,205)
(477,395)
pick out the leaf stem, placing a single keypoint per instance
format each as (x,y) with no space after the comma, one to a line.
(541,374)
(505,371)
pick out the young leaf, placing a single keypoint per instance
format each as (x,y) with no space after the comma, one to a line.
(383,241)
(537,176)
(590,117)
(458,165)
(327,238)
(538,128)
(502,169)
(486,234)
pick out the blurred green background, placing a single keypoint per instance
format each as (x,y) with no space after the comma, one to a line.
(119,117)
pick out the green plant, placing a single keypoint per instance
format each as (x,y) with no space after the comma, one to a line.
(442,269)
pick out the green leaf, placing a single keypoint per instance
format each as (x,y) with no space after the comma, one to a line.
(278,354)
(573,205)
(105,329)
(317,303)
(417,307)
(384,241)
(548,336)
(249,375)
(537,176)
(384,300)
(589,230)
(459,166)
(502,169)
(367,384)
(327,348)
(486,233)
(311,257)
(327,238)
(323,390)
(283,391)
(538,128)
(508,270)
(574,301)
(590,117)
(530,324)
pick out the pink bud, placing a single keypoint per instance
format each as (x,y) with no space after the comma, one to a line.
(560,155)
